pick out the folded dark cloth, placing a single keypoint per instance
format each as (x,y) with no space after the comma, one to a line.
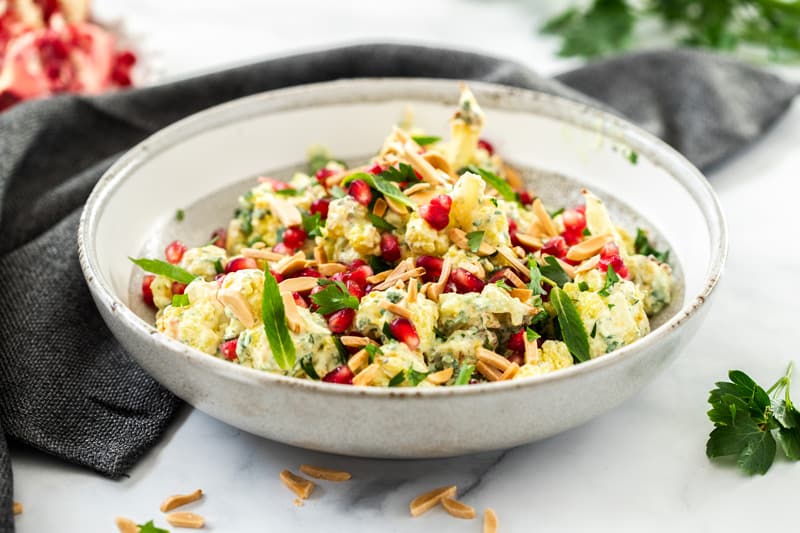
(68,388)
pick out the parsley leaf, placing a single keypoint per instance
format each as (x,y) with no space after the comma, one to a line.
(535,284)
(333,297)
(503,285)
(397,379)
(344,355)
(531,335)
(415,377)
(403,172)
(383,186)
(318,157)
(642,246)
(218,268)
(464,374)
(307,365)
(274,316)
(180,300)
(180,215)
(312,224)
(424,140)
(552,270)
(474,240)
(289,191)
(151,528)
(387,331)
(495,181)
(372,351)
(605,27)
(162,268)
(572,329)
(379,222)
(611,279)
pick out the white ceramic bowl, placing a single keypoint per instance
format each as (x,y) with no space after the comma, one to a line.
(202,163)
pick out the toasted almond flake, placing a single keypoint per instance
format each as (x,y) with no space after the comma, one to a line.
(514,279)
(186,519)
(489,521)
(512,177)
(544,218)
(329,269)
(396,206)
(358,360)
(259,245)
(177,500)
(234,301)
(491,358)
(353,341)
(529,240)
(569,270)
(489,372)
(413,288)
(416,188)
(588,248)
(293,318)
(380,207)
(320,256)
(587,265)
(258,253)
(304,284)
(458,509)
(427,501)
(423,197)
(512,259)
(396,309)
(423,168)
(510,372)
(286,212)
(435,290)
(440,377)
(366,376)
(297,484)
(291,264)
(531,351)
(380,276)
(125,525)
(390,280)
(438,161)
(523,295)
(520,251)
(328,474)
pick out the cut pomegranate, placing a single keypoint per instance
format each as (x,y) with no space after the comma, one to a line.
(281,248)
(240,263)
(465,281)
(228,349)
(294,237)
(437,212)
(432,266)
(360,191)
(147,289)
(219,237)
(486,145)
(174,252)
(341,320)
(390,248)
(525,198)
(403,330)
(517,341)
(323,174)
(341,375)
(320,206)
(178,288)
(556,246)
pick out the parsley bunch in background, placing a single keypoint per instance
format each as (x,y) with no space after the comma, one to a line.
(748,422)
(607,26)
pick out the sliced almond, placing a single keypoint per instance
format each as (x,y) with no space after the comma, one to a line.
(396,309)
(320,256)
(568,269)
(258,253)
(259,245)
(489,372)
(396,206)
(588,248)
(513,178)
(125,525)
(441,377)
(329,269)
(286,212)
(353,341)
(489,521)
(328,474)
(293,318)
(514,279)
(491,358)
(439,162)
(380,207)
(425,169)
(510,372)
(412,291)
(523,295)
(186,519)
(423,197)
(512,259)
(416,188)
(303,284)
(291,263)
(366,376)
(380,276)
(392,279)
(427,501)
(520,251)
(458,509)
(435,290)
(234,301)
(358,360)
(531,351)
(544,218)
(297,484)
(587,265)
(177,500)
(529,240)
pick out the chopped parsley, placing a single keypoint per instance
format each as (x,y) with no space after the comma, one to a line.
(535,284)
(583,286)
(496,182)
(633,157)
(180,300)
(312,224)
(383,186)
(557,212)
(180,215)
(415,377)
(611,279)
(642,246)
(218,268)
(424,140)
(289,191)
(333,297)
(474,240)
(149,527)
(552,270)
(464,374)
(403,172)
(337,192)
(397,379)
(308,367)
(372,351)
(531,335)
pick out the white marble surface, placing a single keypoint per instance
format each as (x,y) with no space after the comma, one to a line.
(641,467)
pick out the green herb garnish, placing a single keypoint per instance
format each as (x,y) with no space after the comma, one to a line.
(180,215)
(503,285)
(535,284)
(464,374)
(552,270)
(583,286)
(289,191)
(611,279)
(747,422)
(557,212)
(377,264)
(308,367)
(162,268)
(633,157)
(318,157)
(218,268)
(383,186)
(337,192)
(474,240)
(569,321)
(333,297)
(593,334)
(415,377)
(180,300)
(397,379)
(273,314)
(379,222)
(387,331)
(531,335)
(424,140)
(151,528)
(312,224)
(642,246)
(372,351)
(495,181)
(344,355)
(403,172)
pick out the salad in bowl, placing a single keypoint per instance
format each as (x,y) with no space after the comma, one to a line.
(430,265)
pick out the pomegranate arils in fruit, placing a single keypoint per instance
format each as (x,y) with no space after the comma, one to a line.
(147,289)
(517,341)
(320,205)
(403,330)
(228,349)
(465,281)
(240,263)
(341,375)
(219,237)
(390,248)
(359,189)
(178,288)
(486,145)
(340,321)
(174,252)
(294,237)
(437,212)
(556,246)
(432,266)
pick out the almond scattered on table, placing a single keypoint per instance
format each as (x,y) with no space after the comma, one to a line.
(458,509)
(489,521)
(17,507)
(126,525)
(178,500)
(186,519)
(299,485)
(427,501)
(328,474)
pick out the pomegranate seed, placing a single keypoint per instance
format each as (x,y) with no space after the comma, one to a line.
(281,248)
(240,263)
(517,341)
(403,330)
(390,248)
(581,209)
(323,174)
(299,300)
(498,275)
(178,288)
(525,198)
(341,375)
(359,274)
(437,212)
(219,237)
(307,273)
(278,277)
(320,206)
(486,145)
(556,246)
(512,232)
(574,220)
(294,237)
(147,290)
(465,281)
(355,288)
(174,252)
(375,169)
(228,349)
(313,306)
(360,191)
(340,321)
(432,266)
(609,255)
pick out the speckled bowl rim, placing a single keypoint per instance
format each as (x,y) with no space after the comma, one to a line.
(420,89)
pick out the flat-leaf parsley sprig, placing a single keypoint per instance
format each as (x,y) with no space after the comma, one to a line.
(748,420)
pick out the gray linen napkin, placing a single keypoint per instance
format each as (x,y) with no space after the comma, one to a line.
(66,386)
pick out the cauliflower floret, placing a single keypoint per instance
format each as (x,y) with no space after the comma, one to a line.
(465,129)
(397,357)
(245,287)
(371,317)
(206,261)
(468,261)
(201,323)
(611,321)
(461,346)
(348,227)
(162,291)
(553,355)
(525,218)
(492,308)
(422,239)
(654,279)
(473,210)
